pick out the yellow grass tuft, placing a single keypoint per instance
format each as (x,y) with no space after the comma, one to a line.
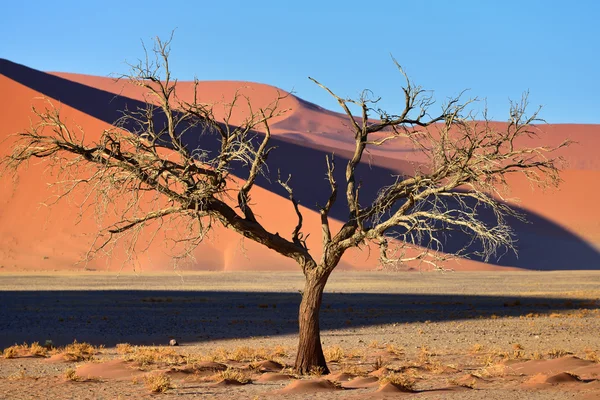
(12,351)
(436,367)
(245,353)
(232,374)
(158,382)
(425,355)
(147,355)
(36,350)
(471,384)
(279,351)
(79,351)
(379,363)
(19,350)
(352,369)
(591,355)
(124,348)
(393,349)
(71,375)
(558,353)
(536,355)
(356,353)
(477,348)
(17,376)
(333,354)
(401,380)
(492,371)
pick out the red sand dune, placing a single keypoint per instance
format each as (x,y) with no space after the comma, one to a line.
(273,377)
(340,377)
(360,383)
(269,366)
(550,367)
(308,386)
(390,387)
(114,369)
(37,237)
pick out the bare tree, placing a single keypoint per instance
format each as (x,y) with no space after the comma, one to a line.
(147,160)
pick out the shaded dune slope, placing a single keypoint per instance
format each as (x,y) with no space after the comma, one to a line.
(564,233)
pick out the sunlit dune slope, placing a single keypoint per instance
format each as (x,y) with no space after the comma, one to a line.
(35,236)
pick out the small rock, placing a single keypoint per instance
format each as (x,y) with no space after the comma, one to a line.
(173,342)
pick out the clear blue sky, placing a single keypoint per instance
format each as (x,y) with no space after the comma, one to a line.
(498,49)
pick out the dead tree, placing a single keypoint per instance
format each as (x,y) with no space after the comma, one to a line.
(140,159)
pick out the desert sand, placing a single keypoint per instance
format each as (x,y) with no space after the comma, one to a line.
(462,335)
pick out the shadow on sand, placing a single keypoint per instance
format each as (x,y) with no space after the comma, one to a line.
(153,317)
(542,244)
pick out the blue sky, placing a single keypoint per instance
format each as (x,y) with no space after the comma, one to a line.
(497,49)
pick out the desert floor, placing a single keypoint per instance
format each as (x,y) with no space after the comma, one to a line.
(456,335)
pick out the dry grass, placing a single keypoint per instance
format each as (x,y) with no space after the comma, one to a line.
(79,351)
(246,353)
(217,355)
(492,371)
(395,350)
(436,367)
(147,355)
(36,350)
(400,380)
(158,382)
(591,355)
(124,348)
(20,350)
(352,369)
(279,351)
(17,376)
(471,384)
(536,355)
(425,355)
(233,374)
(13,351)
(557,353)
(334,354)
(71,375)
(356,353)
(477,348)
(494,356)
(379,363)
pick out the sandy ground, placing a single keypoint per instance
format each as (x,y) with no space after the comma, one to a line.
(466,335)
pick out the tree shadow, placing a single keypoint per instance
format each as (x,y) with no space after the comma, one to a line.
(155,316)
(542,244)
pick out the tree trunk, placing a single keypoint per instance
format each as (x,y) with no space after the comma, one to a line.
(310,353)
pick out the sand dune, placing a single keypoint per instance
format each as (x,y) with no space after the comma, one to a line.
(565,233)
